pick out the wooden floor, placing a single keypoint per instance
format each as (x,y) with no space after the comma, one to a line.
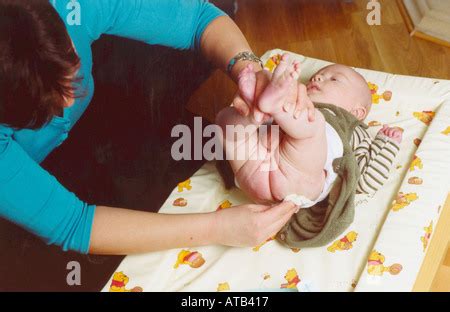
(333,30)
(336,31)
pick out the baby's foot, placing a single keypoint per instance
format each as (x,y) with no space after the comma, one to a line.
(247,83)
(274,98)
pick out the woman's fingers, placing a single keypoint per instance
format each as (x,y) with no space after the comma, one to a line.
(303,100)
(311,110)
(258,115)
(278,225)
(278,212)
(301,95)
(288,107)
(244,109)
(241,106)
(263,79)
(247,84)
(249,225)
(276,218)
(260,208)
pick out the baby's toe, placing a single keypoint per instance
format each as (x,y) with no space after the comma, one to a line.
(282,67)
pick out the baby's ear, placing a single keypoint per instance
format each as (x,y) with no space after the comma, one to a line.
(359,112)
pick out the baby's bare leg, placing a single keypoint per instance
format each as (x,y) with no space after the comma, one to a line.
(240,137)
(306,147)
(303,149)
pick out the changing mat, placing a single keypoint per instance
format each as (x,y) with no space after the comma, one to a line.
(381,251)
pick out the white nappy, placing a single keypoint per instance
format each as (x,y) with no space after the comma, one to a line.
(335,150)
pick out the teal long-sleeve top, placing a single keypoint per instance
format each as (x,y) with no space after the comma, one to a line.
(29,195)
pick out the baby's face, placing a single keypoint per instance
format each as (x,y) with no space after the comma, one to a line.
(341,86)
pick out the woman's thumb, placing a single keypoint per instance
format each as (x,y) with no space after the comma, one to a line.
(241,106)
(261,208)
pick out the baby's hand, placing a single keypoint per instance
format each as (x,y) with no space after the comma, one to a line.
(396,134)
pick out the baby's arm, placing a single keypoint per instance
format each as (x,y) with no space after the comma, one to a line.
(375,159)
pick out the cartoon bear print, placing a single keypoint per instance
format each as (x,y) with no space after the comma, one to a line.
(292,279)
(184,185)
(376,267)
(194,259)
(345,243)
(119,283)
(403,200)
(376,98)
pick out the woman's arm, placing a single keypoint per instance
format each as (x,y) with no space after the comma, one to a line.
(33,199)
(180,24)
(221,41)
(173,23)
(120,231)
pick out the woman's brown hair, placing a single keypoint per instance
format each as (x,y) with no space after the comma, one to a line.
(38,63)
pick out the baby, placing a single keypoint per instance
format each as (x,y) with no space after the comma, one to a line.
(301,155)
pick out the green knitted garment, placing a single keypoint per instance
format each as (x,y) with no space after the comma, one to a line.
(325,221)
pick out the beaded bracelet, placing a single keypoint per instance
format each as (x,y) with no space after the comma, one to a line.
(244,56)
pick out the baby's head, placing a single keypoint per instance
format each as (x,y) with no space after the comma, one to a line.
(341,86)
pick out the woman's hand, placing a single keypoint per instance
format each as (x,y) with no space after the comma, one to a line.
(251,225)
(297,97)
(300,100)
(304,102)
(245,102)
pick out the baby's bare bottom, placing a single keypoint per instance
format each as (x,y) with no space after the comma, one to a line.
(275,166)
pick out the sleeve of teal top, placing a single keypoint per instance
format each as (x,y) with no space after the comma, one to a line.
(174,23)
(36,201)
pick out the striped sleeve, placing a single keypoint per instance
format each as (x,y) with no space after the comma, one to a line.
(375,159)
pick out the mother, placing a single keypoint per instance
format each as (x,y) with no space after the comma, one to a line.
(46,85)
